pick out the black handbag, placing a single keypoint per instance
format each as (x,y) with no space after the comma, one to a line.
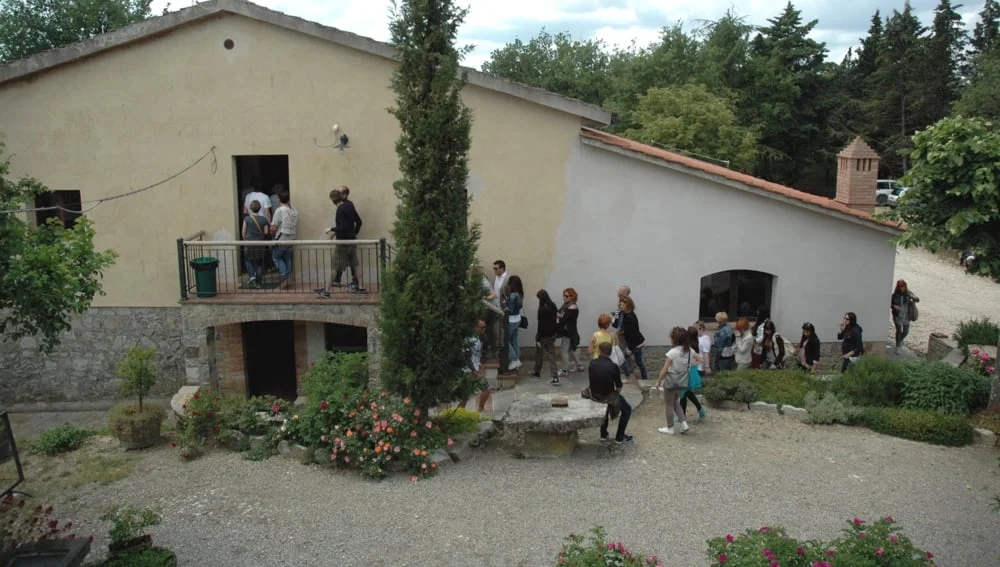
(524,322)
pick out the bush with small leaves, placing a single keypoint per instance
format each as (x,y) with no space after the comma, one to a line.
(61,439)
(920,425)
(829,409)
(938,386)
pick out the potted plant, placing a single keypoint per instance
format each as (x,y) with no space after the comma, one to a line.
(137,426)
(129,542)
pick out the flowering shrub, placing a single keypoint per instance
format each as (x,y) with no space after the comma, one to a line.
(380,433)
(598,552)
(861,544)
(981,363)
(208,417)
(21,524)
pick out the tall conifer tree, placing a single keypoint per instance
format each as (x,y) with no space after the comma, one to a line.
(431,301)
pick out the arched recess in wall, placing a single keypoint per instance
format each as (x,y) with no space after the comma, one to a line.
(737,292)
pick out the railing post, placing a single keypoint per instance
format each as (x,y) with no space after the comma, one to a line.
(182,269)
(382,261)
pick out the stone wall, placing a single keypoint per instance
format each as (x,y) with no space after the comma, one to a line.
(939,347)
(84,368)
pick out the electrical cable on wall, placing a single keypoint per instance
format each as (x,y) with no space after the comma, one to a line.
(94,203)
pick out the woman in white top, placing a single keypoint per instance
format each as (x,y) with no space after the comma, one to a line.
(675,370)
(704,347)
(744,344)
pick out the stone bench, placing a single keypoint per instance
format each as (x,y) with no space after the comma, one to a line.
(536,429)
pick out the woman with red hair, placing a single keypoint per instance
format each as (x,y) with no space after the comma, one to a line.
(904,309)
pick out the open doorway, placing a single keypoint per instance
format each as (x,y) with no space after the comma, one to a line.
(269,358)
(259,173)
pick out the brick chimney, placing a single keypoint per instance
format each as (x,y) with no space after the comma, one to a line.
(857,176)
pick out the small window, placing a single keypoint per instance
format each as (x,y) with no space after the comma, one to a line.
(345,338)
(70,204)
(740,293)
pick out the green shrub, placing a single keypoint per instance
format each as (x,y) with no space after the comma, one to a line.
(336,376)
(729,388)
(879,543)
(872,381)
(149,557)
(458,420)
(977,332)
(208,417)
(60,439)
(129,523)
(830,409)
(920,425)
(786,387)
(938,386)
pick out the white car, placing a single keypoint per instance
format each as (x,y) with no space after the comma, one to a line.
(896,195)
(884,189)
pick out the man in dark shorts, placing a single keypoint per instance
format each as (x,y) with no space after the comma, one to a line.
(347,224)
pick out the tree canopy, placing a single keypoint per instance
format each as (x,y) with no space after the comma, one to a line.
(954,196)
(31,26)
(48,273)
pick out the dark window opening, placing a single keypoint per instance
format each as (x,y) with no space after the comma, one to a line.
(345,338)
(740,293)
(67,215)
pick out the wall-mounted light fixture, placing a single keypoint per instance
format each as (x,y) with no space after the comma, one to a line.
(340,143)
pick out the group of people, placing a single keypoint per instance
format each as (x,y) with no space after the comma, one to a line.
(267,217)
(615,349)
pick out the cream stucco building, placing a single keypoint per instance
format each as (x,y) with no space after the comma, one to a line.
(254,94)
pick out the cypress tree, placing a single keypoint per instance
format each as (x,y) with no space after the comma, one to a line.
(431,300)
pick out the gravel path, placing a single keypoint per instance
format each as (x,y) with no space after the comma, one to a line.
(947,294)
(664,495)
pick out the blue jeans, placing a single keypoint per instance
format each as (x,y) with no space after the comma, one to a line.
(283,260)
(254,260)
(515,351)
(637,356)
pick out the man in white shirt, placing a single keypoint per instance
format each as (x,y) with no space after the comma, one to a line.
(284,227)
(263,198)
(499,280)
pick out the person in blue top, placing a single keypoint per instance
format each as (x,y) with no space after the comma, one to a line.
(512,308)
(723,341)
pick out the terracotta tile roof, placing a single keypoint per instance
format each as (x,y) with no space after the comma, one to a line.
(827,205)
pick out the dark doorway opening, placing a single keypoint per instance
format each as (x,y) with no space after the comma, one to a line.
(269,359)
(260,174)
(345,338)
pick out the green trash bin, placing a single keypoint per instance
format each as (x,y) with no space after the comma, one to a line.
(204,276)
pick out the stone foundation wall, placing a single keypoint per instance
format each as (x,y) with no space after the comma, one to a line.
(939,347)
(84,368)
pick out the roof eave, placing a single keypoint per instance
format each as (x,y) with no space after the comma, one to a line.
(140,31)
(873,224)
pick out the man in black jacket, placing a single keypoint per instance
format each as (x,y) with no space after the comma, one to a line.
(606,386)
(347,225)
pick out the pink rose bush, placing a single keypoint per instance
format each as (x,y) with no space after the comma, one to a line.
(981,363)
(880,543)
(578,552)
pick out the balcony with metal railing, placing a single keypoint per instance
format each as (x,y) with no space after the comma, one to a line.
(245,271)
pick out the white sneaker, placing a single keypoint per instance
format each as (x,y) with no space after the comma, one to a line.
(685,427)
(667,430)
(514,365)
(561,373)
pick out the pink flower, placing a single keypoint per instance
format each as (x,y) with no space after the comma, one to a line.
(767,553)
(428,425)
(763,529)
(347,459)
(800,551)
(930,555)
(395,449)
(822,564)
(406,400)
(276,408)
(830,553)
(775,564)
(858,521)
(451,443)
(975,352)
(862,535)
(652,558)
(324,405)
(880,552)
(322,438)
(416,413)
(889,519)
(893,538)
(611,547)
(413,433)
(723,558)
(730,538)
(990,369)
(413,478)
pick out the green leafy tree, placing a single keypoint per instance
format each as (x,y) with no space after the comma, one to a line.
(137,373)
(692,119)
(979,99)
(424,330)
(31,26)
(954,197)
(556,63)
(47,273)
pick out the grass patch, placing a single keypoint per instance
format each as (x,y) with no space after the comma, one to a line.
(459,420)
(100,462)
(786,387)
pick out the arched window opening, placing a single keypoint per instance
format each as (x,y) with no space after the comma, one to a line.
(740,293)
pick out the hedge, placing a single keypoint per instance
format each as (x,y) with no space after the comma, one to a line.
(920,425)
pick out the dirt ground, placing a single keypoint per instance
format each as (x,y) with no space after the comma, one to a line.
(947,294)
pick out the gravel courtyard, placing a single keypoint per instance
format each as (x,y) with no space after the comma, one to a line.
(664,495)
(947,294)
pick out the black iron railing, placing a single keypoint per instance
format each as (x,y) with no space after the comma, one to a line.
(224,268)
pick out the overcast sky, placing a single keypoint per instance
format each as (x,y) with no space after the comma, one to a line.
(493,23)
